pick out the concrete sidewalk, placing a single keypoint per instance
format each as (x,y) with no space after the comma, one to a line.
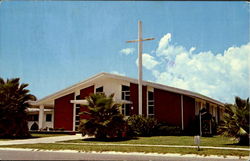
(42,140)
(165,146)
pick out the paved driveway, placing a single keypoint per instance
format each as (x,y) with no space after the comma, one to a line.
(42,140)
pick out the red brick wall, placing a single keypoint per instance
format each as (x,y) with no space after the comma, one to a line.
(188,111)
(167,107)
(83,94)
(134,99)
(144,100)
(64,112)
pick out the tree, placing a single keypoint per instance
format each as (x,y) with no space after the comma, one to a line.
(13,104)
(236,120)
(105,119)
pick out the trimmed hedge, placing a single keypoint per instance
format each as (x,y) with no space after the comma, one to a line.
(164,130)
(138,125)
(141,126)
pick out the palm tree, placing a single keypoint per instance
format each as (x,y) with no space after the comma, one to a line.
(13,104)
(236,120)
(105,119)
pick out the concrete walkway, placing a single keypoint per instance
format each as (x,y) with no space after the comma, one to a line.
(164,146)
(42,140)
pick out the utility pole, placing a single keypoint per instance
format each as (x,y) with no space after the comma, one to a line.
(139,40)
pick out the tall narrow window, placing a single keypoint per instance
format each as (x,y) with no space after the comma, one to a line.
(125,96)
(151,106)
(77,117)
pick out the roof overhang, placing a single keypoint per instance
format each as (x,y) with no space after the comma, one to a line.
(49,100)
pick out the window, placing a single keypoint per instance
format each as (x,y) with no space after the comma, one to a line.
(99,90)
(125,96)
(48,117)
(78,97)
(77,116)
(77,110)
(151,105)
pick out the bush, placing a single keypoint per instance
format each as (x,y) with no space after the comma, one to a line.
(139,125)
(165,130)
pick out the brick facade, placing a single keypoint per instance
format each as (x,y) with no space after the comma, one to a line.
(188,111)
(134,99)
(64,112)
(167,107)
(83,94)
(144,100)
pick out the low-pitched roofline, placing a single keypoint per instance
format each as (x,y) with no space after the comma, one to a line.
(66,90)
(152,84)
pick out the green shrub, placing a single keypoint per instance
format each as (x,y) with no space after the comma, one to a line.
(139,125)
(164,130)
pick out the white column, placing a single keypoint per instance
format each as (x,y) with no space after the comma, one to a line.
(200,121)
(74,115)
(182,119)
(41,114)
(53,117)
(140,67)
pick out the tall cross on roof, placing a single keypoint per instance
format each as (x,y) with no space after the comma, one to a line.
(139,40)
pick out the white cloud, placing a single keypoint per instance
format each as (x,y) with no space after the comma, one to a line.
(165,49)
(148,61)
(220,76)
(127,51)
(164,42)
(117,73)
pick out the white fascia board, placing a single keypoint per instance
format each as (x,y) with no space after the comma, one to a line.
(167,88)
(131,80)
(184,92)
(67,90)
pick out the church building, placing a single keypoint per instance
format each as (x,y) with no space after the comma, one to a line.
(167,104)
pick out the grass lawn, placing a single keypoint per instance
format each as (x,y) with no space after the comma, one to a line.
(160,140)
(103,148)
(218,141)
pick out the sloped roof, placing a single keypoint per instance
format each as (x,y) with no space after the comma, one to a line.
(132,80)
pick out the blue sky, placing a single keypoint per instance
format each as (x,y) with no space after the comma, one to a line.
(52,45)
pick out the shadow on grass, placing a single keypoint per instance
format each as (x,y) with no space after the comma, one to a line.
(237,144)
(17,138)
(109,139)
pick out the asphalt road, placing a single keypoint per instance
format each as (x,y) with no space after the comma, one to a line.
(41,155)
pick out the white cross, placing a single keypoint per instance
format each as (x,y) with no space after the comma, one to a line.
(139,40)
